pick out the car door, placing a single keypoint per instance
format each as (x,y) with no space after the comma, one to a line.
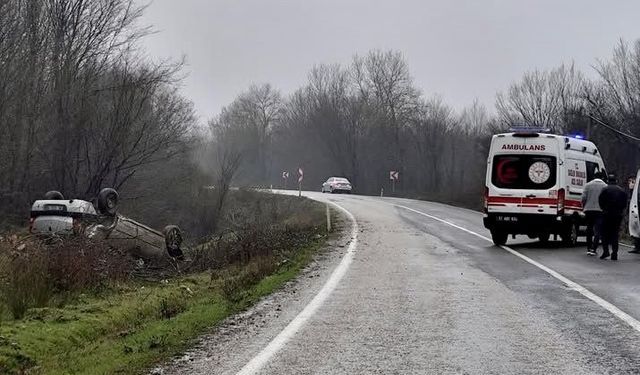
(634,216)
(577,177)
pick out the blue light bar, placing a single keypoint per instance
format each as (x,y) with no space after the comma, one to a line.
(577,136)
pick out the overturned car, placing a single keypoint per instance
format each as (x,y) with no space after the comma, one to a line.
(56,215)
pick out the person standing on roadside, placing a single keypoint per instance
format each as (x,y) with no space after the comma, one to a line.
(613,201)
(592,211)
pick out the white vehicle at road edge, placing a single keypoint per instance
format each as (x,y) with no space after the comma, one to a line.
(634,208)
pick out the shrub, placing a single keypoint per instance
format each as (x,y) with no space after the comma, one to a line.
(171,306)
(78,263)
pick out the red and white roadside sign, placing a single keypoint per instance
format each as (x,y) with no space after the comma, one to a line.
(394,175)
(285,175)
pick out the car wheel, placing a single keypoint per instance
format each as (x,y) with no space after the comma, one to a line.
(499,238)
(53,195)
(173,240)
(108,201)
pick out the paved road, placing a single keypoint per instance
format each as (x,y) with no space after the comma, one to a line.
(419,295)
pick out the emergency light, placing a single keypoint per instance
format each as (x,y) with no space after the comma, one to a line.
(528,129)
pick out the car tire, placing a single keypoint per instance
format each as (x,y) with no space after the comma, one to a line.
(173,240)
(108,201)
(499,238)
(53,195)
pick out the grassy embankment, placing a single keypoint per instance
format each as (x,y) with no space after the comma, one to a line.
(126,325)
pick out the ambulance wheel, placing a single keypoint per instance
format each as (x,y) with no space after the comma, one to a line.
(570,236)
(544,238)
(499,238)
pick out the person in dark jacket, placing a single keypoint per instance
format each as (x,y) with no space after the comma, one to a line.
(613,202)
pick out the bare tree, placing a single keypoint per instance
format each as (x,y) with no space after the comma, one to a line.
(384,78)
(614,99)
(224,155)
(617,96)
(79,108)
(257,110)
(543,99)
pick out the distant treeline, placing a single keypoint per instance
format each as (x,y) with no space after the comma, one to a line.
(363,120)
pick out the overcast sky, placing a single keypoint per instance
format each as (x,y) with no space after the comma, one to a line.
(459,49)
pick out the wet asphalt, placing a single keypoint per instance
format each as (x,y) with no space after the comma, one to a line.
(423,297)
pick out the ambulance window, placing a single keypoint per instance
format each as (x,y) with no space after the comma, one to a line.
(524,172)
(592,168)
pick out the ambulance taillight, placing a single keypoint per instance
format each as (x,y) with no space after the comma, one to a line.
(561,196)
(486,199)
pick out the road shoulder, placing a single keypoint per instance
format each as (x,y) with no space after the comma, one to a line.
(234,342)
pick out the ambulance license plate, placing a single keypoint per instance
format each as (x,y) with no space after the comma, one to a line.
(507,218)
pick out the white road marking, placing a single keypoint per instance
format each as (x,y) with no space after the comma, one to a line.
(635,324)
(261,359)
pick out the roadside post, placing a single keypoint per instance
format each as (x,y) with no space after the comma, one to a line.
(393,176)
(285,177)
(328,219)
(300,178)
(382,192)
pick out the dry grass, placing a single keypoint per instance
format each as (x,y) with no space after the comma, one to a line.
(38,272)
(259,228)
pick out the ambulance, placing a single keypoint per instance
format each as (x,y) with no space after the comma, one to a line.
(534,185)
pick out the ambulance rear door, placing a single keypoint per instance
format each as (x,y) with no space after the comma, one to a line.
(524,175)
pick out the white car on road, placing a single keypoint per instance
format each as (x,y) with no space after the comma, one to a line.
(337,185)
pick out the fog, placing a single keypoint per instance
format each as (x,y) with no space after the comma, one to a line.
(459,49)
